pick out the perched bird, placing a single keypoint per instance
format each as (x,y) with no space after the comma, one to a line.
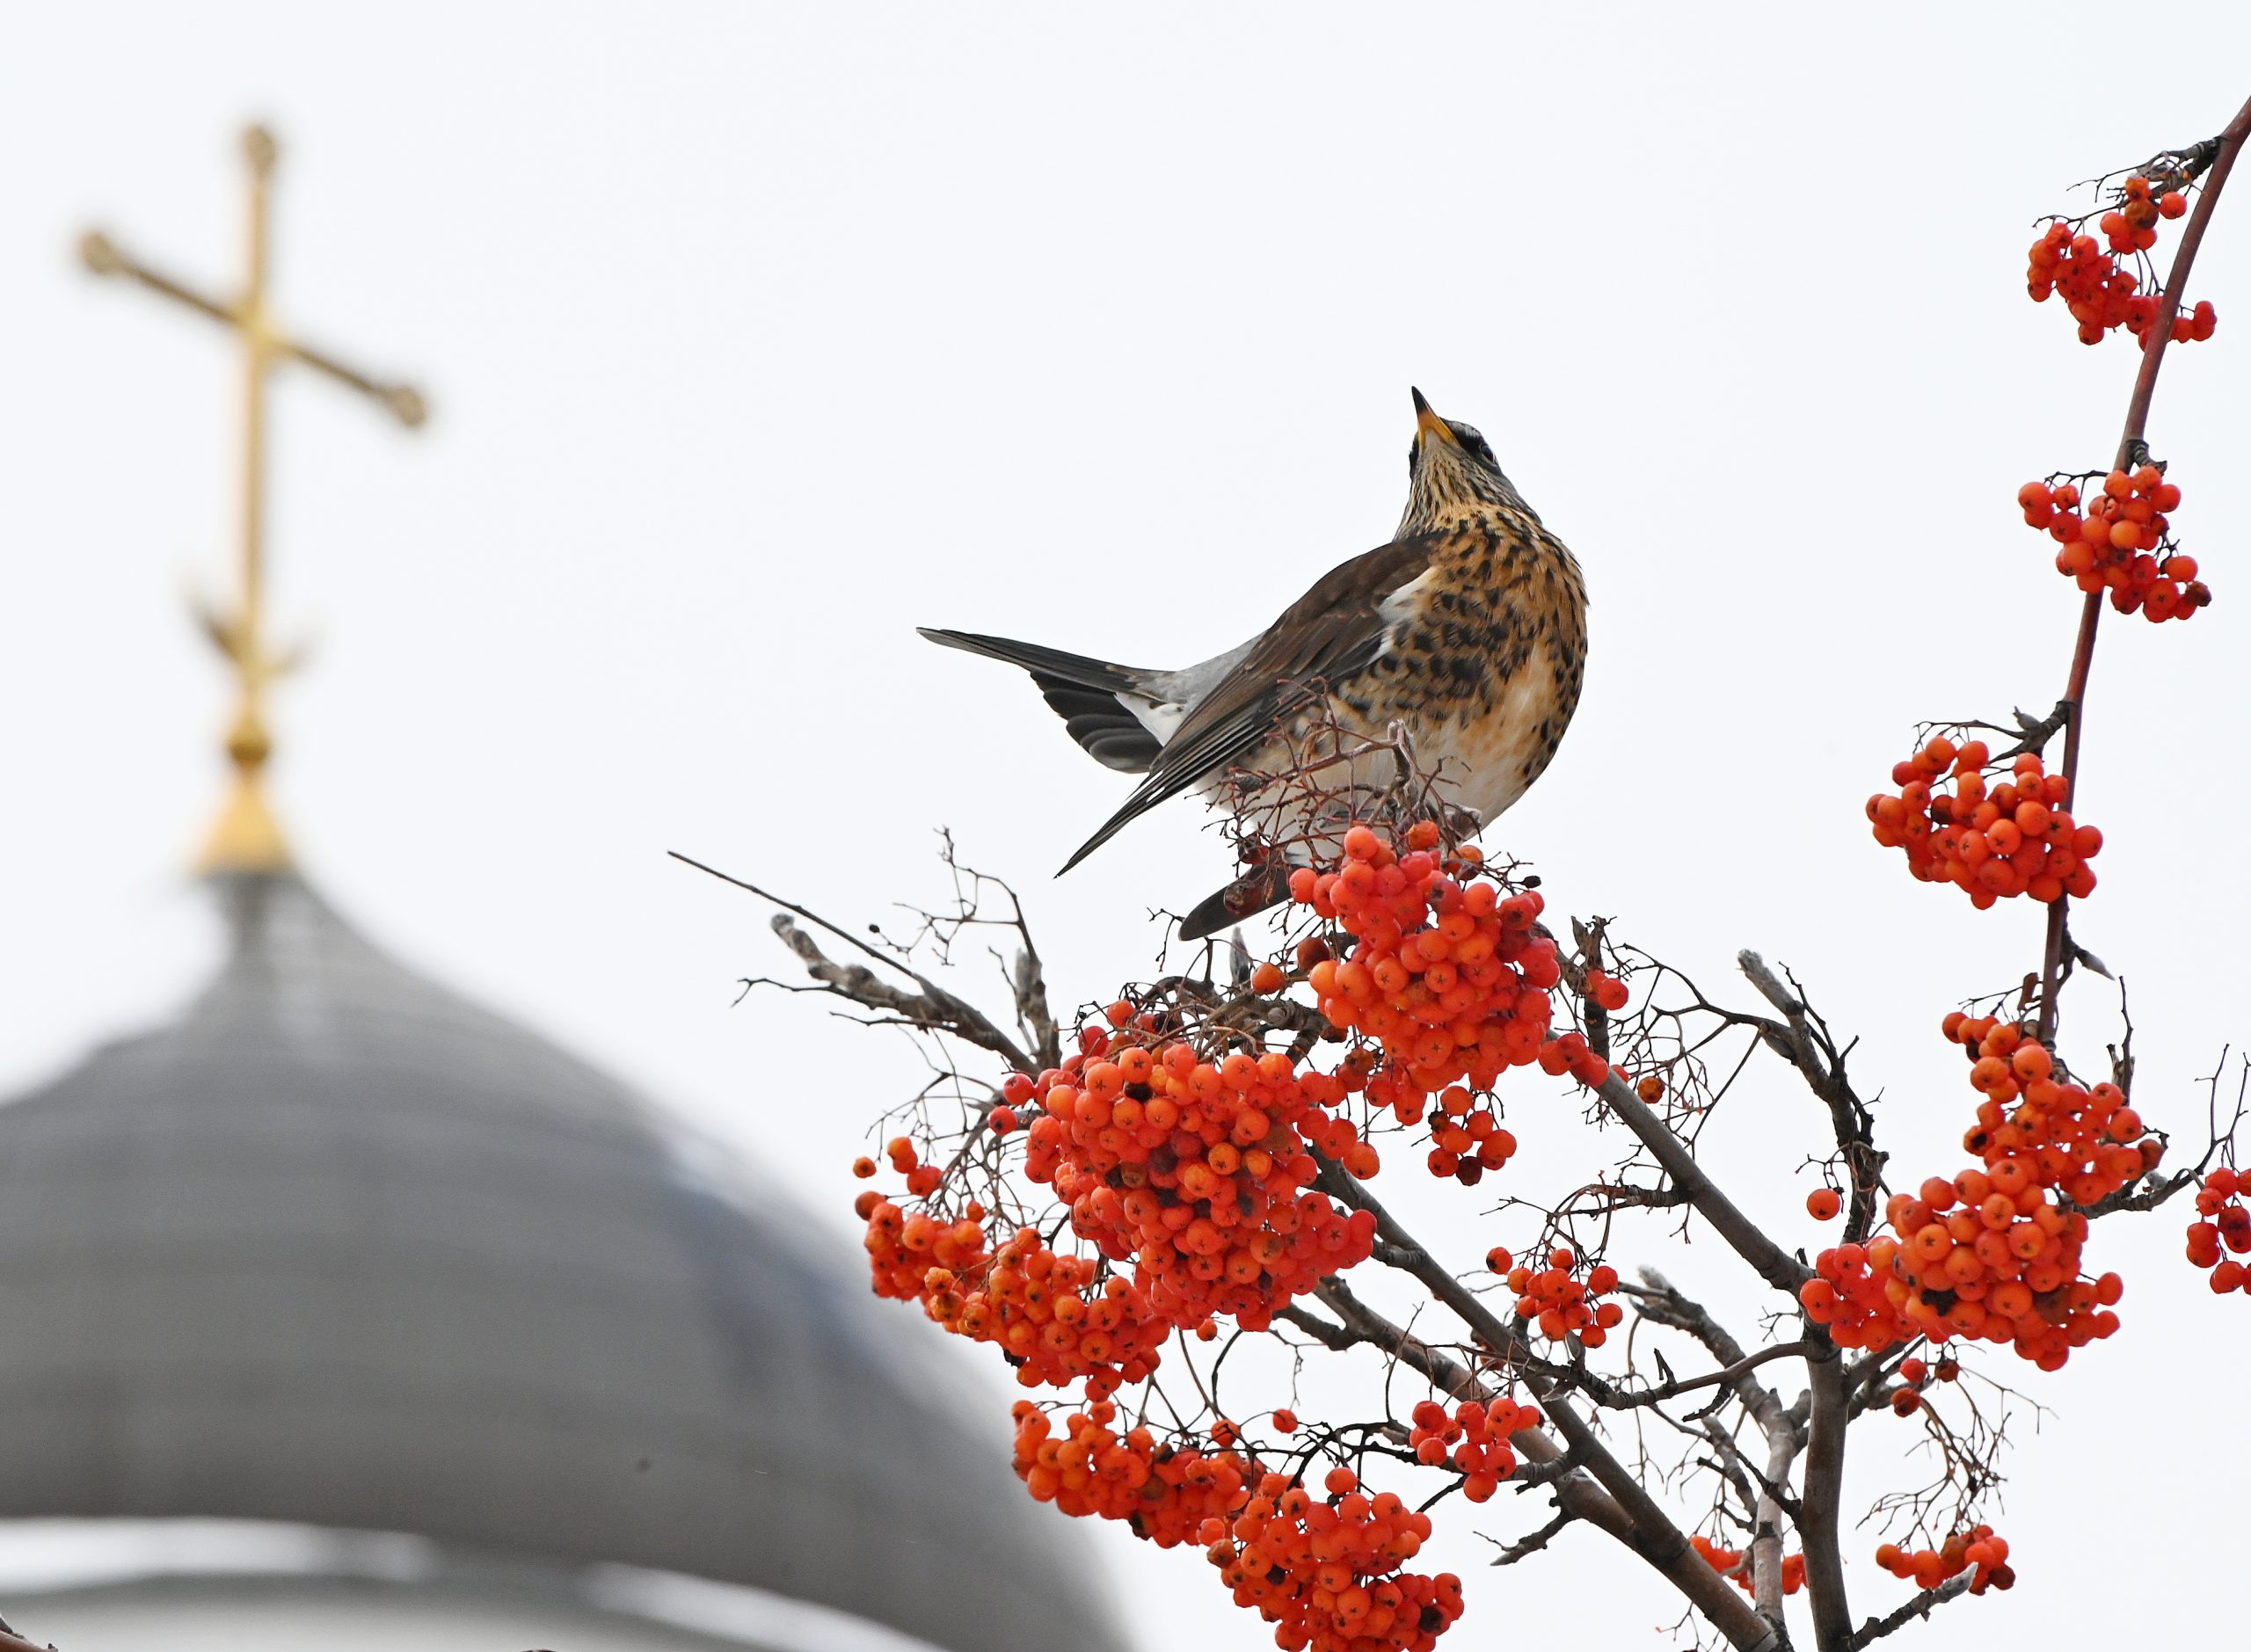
(1468,629)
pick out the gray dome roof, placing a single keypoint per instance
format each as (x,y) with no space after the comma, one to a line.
(337,1248)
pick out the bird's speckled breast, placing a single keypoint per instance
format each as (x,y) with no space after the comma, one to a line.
(1485,660)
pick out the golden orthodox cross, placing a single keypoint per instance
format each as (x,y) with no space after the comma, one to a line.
(246,838)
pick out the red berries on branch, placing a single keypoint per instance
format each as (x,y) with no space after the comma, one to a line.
(1473,1438)
(1165,1492)
(2222,1231)
(1607,991)
(2118,542)
(1448,985)
(1326,1572)
(1055,1317)
(1730,1563)
(1991,1255)
(1197,1173)
(1559,1305)
(1465,1139)
(1976,1551)
(1991,841)
(2099,292)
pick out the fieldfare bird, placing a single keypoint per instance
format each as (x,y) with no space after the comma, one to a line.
(1467,630)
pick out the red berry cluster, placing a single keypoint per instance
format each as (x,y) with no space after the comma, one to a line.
(2099,293)
(1449,983)
(1991,842)
(1326,1571)
(1560,1305)
(1976,1551)
(2222,1223)
(1465,1139)
(2132,226)
(1166,1493)
(2114,544)
(1198,1173)
(1473,1438)
(1055,1317)
(1991,1255)
(1730,1563)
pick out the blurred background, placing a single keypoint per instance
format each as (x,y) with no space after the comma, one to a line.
(755,336)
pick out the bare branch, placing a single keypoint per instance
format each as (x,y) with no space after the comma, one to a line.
(1511,1553)
(933,1008)
(1920,1606)
(1774,1264)
(1803,1041)
(1654,1536)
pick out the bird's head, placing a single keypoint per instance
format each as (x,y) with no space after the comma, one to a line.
(1450,473)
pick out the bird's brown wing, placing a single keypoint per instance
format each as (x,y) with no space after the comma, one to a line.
(1329,634)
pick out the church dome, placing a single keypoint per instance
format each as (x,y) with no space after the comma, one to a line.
(337,1249)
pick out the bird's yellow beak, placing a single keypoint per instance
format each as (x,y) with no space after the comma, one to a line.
(1428,423)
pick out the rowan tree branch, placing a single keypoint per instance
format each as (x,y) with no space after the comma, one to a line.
(1822,1501)
(2132,447)
(1774,1264)
(1534,1542)
(1803,1041)
(931,1009)
(930,1006)
(1654,1536)
(1920,1606)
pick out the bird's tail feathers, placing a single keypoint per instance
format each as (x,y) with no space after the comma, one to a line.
(1091,695)
(1253,892)
(1047,662)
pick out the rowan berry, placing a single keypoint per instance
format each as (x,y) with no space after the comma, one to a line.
(1822,1204)
(1607,991)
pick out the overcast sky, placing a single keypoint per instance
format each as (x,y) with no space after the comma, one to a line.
(756,336)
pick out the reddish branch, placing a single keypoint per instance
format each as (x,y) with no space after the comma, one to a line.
(2133,449)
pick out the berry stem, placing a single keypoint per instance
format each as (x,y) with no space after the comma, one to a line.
(2131,451)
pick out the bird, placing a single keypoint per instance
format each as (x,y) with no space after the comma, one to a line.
(1466,629)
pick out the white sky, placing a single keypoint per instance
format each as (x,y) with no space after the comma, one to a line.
(757,336)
